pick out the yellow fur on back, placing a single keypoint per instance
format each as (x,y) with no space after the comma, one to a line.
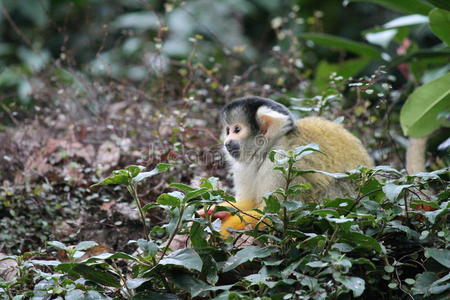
(343,150)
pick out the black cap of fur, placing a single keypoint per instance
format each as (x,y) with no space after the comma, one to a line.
(250,105)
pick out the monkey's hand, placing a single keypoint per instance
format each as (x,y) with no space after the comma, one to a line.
(240,205)
(246,216)
(240,221)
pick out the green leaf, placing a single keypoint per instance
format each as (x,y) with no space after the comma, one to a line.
(442,256)
(85,245)
(331,41)
(423,283)
(119,177)
(148,247)
(392,190)
(317,264)
(361,240)
(186,258)
(157,170)
(355,284)
(134,170)
(272,204)
(246,254)
(325,212)
(259,279)
(136,282)
(404,6)
(418,116)
(58,245)
(181,186)
(193,285)
(97,276)
(172,199)
(440,24)
(195,194)
(210,183)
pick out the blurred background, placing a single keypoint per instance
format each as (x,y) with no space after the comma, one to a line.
(88,86)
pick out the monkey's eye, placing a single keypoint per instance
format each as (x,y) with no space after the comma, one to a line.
(227,130)
(237,129)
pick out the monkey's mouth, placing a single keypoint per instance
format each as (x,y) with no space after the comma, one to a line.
(233,150)
(235,153)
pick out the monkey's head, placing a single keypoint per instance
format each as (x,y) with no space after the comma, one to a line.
(252,126)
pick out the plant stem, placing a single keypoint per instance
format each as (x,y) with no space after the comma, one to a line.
(180,218)
(286,195)
(132,190)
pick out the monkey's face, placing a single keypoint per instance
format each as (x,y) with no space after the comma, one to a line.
(235,136)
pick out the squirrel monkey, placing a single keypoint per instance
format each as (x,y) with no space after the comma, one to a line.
(253,127)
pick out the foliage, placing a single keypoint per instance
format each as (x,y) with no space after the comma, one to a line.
(388,241)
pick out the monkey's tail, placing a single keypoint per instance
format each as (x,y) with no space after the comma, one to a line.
(415,155)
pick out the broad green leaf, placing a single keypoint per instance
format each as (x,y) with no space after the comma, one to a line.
(355,284)
(404,6)
(97,276)
(41,262)
(186,258)
(210,183)
(423,283)
(325,212)
(246,254)
(134,170)
(440,24)
(437,287)
(442,256)
(193,285)
(196,193)
(392,190)
(85,245)
(136,282)
(272,204)
(444,4)
(119,177)
(343,247)
(148,247)
(182,186)
(158,169)
(317,264)
(171,199)
(418,116)
(260,279)
(58,245)
(361,240)
(331,41)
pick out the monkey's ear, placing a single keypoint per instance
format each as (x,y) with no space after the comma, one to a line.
(270,122)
